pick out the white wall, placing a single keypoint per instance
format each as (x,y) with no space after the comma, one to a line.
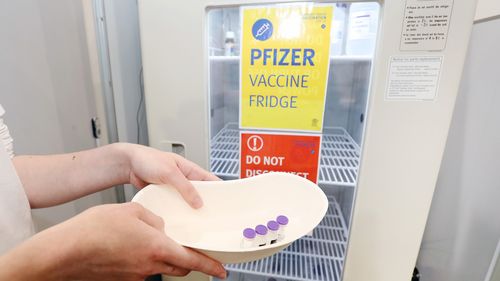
(464,222)
(125,61)
(125,56)
(487,9)
(46,86)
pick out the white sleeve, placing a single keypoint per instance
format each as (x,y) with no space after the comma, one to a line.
(5,137)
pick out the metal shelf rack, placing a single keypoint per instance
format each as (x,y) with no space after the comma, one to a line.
(338,163)
(319,257)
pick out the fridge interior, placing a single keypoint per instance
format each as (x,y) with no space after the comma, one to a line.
(320,256)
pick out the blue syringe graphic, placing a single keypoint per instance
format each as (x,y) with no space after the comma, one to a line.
(262,29)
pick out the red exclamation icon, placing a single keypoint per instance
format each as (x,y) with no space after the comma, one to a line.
(255,143)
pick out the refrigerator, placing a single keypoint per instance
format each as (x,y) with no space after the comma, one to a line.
(385,77)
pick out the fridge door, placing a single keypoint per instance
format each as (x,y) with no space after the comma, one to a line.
(395,119)
(352,38)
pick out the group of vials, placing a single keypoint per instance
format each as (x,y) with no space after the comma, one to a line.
(263,235)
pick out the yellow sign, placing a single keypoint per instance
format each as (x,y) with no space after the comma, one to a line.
(285,58)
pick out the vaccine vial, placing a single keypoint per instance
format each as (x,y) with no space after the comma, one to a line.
(261,231)
(338,30)
(283,222)
(273,227)
(248,238)
(229,44)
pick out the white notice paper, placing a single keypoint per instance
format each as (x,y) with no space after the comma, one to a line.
(425,25)
(413,77)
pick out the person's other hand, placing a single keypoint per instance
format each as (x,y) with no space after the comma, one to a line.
(117,242)
(148,165)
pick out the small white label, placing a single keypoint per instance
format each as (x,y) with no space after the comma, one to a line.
(413,77)
(425,25)
(360,26)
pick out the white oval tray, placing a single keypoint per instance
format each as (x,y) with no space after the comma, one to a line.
(216,229)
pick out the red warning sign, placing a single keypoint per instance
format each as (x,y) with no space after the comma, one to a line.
(268,152)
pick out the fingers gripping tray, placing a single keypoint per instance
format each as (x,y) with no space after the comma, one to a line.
(230,207)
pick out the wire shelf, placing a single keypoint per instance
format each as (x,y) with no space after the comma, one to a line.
(338,164)
(319,257)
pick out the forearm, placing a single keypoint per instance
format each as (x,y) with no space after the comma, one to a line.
(54,179)
(108,242)
(54,254)
(18,265)
(30,261)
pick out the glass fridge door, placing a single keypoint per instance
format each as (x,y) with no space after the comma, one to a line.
(352,43)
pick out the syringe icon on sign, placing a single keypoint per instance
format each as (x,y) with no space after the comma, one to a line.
(265,27)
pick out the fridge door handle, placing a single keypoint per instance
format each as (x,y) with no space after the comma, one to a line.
(175,147)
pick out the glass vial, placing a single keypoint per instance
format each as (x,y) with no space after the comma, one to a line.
(273,227)
(338,29)
(229,43)
(283,222)
(261,231)
(248,238)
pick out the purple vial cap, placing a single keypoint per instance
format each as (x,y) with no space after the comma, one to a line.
(249,233)
(261,229)
(283,220)
(272,225)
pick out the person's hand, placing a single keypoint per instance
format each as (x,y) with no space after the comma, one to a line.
(148,165)
(110,242)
